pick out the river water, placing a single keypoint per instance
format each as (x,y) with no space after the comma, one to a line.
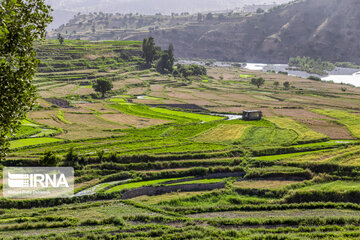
(338,75)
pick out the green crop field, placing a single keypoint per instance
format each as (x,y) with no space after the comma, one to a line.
(167,157)
(139,184)
(32,141)
(227,132)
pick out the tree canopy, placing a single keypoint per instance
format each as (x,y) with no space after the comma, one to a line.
(166,62)
(258,81)
(21,23)
(286,85)
(102,85)
(149,51)
(60,38)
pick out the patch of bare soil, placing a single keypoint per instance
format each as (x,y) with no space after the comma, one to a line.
(230,109)
(199,102)
(138,122)
(137,91)
(331,129)
(58,102)
(299,113)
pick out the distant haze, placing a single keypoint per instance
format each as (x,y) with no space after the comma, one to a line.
(64,10)
(153,6)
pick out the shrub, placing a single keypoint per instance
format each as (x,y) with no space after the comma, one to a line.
(314,78)
(49,159)
(258,82)
(190,70)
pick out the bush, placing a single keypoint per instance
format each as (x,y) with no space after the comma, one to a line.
(257,82)
(190,70)
(314,78)
(49,159)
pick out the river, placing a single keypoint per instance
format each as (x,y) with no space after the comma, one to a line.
(338,75)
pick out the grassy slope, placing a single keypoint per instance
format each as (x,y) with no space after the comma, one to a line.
(157,153)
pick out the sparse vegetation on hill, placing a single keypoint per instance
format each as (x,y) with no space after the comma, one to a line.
(313,28)
(190,70)
(311,65)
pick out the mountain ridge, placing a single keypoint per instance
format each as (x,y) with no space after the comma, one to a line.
(313,28)
(321,28)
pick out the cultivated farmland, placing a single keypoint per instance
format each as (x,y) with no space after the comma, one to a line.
(158,158)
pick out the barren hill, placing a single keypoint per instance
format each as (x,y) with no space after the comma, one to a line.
(317,28)
(314,28)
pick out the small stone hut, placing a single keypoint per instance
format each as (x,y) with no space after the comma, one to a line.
(251,115)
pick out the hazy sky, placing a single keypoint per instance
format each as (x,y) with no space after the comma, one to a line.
(152,6)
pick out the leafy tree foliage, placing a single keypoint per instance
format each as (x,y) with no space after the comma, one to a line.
(60,39)
(148,49)
(314,78)
(190,70)
(166,62)
(209,16)
(199,17)
(260,10)
(49,159)
(102,85)
(158,53)
(311,65)
(276,84)
(286,85)
(21,23)
(258,82)
(171,55)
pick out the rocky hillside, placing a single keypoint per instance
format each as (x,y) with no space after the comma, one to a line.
(153,6)
(314,28)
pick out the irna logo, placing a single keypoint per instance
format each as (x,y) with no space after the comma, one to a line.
(38,182)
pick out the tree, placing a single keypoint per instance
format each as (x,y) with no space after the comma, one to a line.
(171,56)
(190,70)
(258,81)
(209,16)
(199,17)
(158,53)
(49,159)
(21,23)
(260,10)
(286,85)
(276,84)
(166,62)
(60,38)
(148,49)
(102,85)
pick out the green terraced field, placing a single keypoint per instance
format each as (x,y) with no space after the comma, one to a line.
(286,176)
(227,132)
(32,141)
(350,120)
(304,134)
